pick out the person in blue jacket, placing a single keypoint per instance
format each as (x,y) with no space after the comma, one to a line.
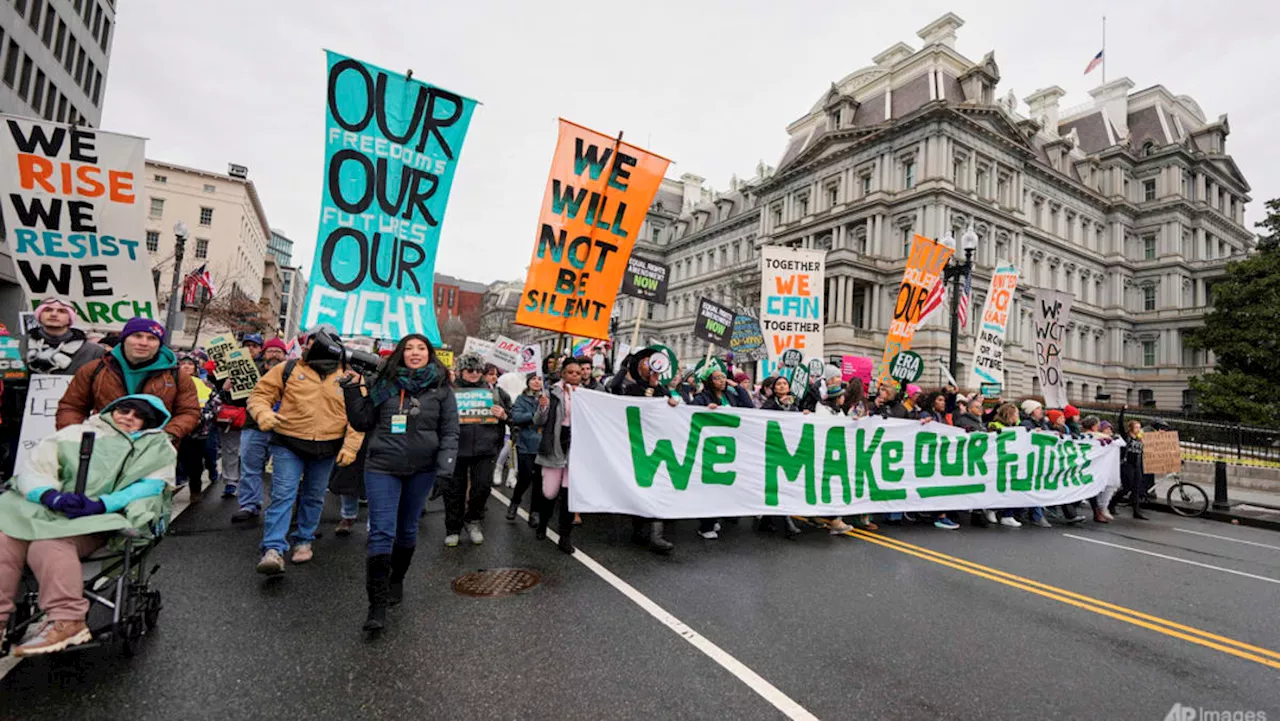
(528,438)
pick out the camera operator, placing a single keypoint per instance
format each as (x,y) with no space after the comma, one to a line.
(310,433)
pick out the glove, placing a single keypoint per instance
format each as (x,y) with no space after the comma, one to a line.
(66,503)
(89,507)
(345,457)
(49,498)
(268,422)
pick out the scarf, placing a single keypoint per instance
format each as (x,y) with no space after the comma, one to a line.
(413,381)
(48,354)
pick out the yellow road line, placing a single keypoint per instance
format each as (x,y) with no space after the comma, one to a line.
(1191,634)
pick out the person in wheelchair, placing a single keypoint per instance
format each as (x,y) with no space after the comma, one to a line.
(46,525)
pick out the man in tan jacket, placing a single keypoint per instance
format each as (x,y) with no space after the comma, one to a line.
(301,403)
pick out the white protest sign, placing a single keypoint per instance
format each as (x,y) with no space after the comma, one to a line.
(641,457)
(478,346)
(38,415)
(988,351)
(1051,308)
(791,303)
(531,359)
(73,206)
(505,354)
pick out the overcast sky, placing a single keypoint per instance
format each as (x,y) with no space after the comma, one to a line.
(711,85)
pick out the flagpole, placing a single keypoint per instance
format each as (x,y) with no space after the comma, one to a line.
(1104,49)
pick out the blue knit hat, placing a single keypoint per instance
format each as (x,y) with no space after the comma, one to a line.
(143,325)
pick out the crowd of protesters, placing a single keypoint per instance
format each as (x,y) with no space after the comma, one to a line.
(392,438)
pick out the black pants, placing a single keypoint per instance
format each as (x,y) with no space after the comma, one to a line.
(528,474)
(462,505)
(191,459)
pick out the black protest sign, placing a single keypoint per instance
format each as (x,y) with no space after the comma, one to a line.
(241,372)
(714,323)
(645,279)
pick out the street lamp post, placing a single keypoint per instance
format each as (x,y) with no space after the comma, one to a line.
(180,245)
(954,272)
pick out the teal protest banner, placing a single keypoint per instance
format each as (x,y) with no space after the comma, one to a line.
(391,147)
(475,405)
(641,457)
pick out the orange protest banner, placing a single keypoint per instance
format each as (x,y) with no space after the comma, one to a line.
(598,193)
(924,266)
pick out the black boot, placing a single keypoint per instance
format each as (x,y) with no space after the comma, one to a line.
(401,557)
(566,521)
(377,582)
(657,543)
(638,535)
(546,507)
(512,508)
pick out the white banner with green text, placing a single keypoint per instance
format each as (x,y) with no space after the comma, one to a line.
(642,457)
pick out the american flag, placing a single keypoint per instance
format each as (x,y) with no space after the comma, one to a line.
(933,301)
(1097,60)
(198,278)
(962,305)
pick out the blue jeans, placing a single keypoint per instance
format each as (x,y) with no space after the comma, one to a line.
(253,463)
(395,505)
(349,505)
(289,472)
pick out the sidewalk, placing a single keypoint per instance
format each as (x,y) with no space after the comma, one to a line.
(1248,506)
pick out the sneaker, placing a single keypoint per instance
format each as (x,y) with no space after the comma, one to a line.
(511,512)
(473,532)
(302,553)
(709,535)
(946,524)
(990,516)
(244,515)
(1042,522)
(55,636)
(1106,513)
(838,526)
(867,525)
(1010,522)
(344,527)
(1078,518)
(451,540)
(272,563)
(1099,517)
(229,491)
(716,527)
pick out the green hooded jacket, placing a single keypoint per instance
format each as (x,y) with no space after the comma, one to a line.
(119,461)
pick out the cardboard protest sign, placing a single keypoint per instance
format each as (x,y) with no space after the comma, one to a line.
(747,341)
(391,148)
(791,302)
(217,348)
(39,413)
(478,346)
(645,279)
(241,371)
(924,266)
(445,356)
(714,322)
(1161,453)
(597,197)
(506,354)
(988,351)
(531,359)
(1051,308)
(761,463)
(475,405)
(853,366)
(73,219)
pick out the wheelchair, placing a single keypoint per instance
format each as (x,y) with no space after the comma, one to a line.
(123,605)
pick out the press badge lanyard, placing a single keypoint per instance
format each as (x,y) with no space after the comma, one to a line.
(400,421)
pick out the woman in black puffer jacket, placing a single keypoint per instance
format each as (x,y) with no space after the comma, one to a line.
(410,419)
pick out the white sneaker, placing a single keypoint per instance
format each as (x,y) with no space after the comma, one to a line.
(451,540)
(1010,522)
(272,563)
(716,528)
(990,516)
(838,526)
(1042,522)
(1106,514)
(709,535)
(473,532)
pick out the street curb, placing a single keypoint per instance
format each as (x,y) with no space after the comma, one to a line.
(1220,516)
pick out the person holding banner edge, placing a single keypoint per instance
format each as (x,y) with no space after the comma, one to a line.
(410,416)
(639,379)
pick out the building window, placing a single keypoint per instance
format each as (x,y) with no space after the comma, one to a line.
(1148,247)
(1002,191)
(1148,190)
(46,36)
(62,107)
(1149,297)
(202,248)
(37,94)
(866,185)
(162,179)
(451,297)
(906,241)
(833,195)
(106,34)
(24,80)
(1146,398)
(157,204)
(97,88)
(37,6)
(802,203)
(983,190)
(59,40)
(209,188)
(656,231)
(777,215)
(79,65)
(206,216)
(153,241)
(909,174)
(51,101)
(70,60)
(957,173)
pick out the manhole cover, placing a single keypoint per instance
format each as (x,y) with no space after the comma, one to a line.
(496,582)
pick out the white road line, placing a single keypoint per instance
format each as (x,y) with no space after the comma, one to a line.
(8,663)
(763,688)
(1227,538)
(1174,558)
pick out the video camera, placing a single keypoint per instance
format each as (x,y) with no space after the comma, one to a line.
(328,346)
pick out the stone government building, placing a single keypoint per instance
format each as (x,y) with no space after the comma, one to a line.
(1129,202)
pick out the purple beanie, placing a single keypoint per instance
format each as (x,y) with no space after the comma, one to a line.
(143,325)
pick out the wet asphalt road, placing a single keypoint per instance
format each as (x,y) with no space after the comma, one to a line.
(1044,626)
